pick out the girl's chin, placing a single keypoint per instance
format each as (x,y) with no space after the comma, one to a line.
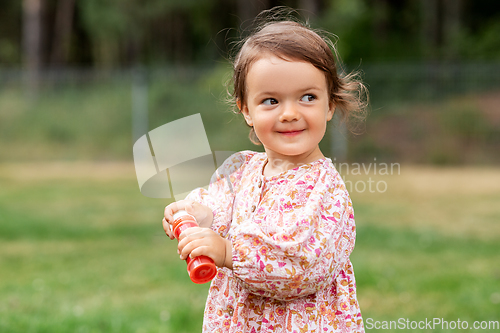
(294,152)
(287,153)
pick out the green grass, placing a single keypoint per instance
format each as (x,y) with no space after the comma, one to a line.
(428,246)
(80,255)
(81,250)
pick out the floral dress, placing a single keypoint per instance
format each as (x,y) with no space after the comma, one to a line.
(292,235)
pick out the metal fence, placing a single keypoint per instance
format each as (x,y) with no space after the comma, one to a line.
(388,82)
(395,82)
(140,95)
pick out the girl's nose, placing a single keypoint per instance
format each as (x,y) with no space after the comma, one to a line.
(289,113)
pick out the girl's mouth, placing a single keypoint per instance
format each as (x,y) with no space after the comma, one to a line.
(291,133)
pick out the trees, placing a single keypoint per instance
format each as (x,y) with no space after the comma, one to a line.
(61,37)
(120,33)
(32,38)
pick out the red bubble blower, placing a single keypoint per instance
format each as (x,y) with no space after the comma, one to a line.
(201,269)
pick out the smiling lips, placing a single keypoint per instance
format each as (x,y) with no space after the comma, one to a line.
(291,133)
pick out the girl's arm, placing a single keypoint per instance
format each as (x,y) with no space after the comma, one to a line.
(213,210)
(214,204)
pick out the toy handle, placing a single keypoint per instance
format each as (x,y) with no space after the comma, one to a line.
(201,269)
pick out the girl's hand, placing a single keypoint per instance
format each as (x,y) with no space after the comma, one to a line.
(203,214)
(195,242)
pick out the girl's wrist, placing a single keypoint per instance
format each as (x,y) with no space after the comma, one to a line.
(204,216)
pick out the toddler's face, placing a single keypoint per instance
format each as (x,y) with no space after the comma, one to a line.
(287,104)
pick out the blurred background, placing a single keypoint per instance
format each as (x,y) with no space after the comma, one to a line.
(78,70)
(82,250)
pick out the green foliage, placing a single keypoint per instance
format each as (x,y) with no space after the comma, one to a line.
(68,123)
(442,154)
(365,149)
(485,44)
(150,33)
(105,19)
(10,33)
(369,32)
(75,121)
(345,19)
(114,33)
(469,124)
(196,90)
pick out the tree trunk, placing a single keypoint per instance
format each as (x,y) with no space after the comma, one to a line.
(62,32)
(32,42)
(380,20)
(430,27)
(451,27)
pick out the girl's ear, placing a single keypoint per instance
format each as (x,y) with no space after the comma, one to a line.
(244,111)
(331,111)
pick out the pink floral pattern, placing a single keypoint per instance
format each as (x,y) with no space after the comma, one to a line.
(292,235)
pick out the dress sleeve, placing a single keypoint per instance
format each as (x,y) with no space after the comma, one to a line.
(307,249)
(220,194)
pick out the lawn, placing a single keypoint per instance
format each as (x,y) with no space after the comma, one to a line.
(428,246)
(81,250)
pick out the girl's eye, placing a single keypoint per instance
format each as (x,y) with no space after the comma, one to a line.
(270,101)
(308,98)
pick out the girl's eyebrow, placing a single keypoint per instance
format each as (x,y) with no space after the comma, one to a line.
(301,90)
(266,93)
(311,88)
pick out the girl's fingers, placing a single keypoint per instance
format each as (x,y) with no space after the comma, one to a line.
(167,228)
(192,238)
(193,249)
(169,215)
(171,209)
(200,232)
(202,241)
(201,251)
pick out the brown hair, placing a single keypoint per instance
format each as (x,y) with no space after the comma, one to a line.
(296,41)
